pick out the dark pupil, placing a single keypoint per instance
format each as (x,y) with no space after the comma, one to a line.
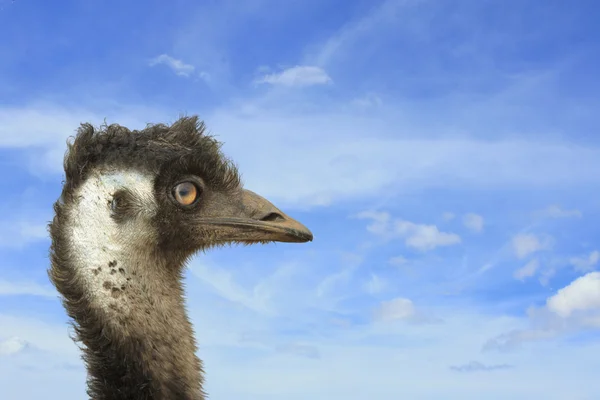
(184,190)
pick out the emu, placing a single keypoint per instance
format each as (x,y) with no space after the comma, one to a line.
(136,205)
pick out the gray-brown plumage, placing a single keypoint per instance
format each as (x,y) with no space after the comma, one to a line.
(135,206)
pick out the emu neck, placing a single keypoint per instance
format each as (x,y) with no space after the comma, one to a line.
(142,345)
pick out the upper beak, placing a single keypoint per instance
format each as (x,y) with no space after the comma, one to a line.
(255,219)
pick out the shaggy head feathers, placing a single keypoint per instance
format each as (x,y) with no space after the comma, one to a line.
(184,144)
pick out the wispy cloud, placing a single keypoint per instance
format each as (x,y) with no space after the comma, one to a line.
(585,264)
(366,25)
(347,164)
(528,270)
(369,100)
(396,309)
(397,261)
(448,216)
(572,309)
(473,222)
(476,366)
(22,232)
(300,75)
(525,244)
(52,338)
(425,237)
(223,283)
(302,350)
(42,129)
(555,211)
(178,66)
(40,125)
(512,340)
(375,285)
(343,153)
(418,236)
(12,345)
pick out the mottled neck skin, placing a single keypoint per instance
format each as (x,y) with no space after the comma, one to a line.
(125,296)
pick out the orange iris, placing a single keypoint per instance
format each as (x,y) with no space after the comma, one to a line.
(185,193)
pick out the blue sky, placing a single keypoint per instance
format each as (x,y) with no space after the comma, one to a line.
(444,153)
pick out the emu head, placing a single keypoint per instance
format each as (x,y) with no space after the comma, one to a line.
(166,189)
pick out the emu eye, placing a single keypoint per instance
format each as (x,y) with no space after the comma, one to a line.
(185,193)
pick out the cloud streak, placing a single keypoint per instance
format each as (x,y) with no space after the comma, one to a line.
(300,75)
(555,211)
(476,366)
(178,66)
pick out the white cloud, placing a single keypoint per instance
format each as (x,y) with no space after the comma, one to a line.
(179,67)
(473,222)
(525,244)
(584,264)
(528,270)
(581,294)
(573,308)
(12,345)
(425,237)
(396,309)
(419,236)
(555,211)
(300,75)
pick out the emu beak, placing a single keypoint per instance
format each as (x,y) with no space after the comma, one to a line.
(257,220)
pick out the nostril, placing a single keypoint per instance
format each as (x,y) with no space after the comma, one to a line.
(272,217)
